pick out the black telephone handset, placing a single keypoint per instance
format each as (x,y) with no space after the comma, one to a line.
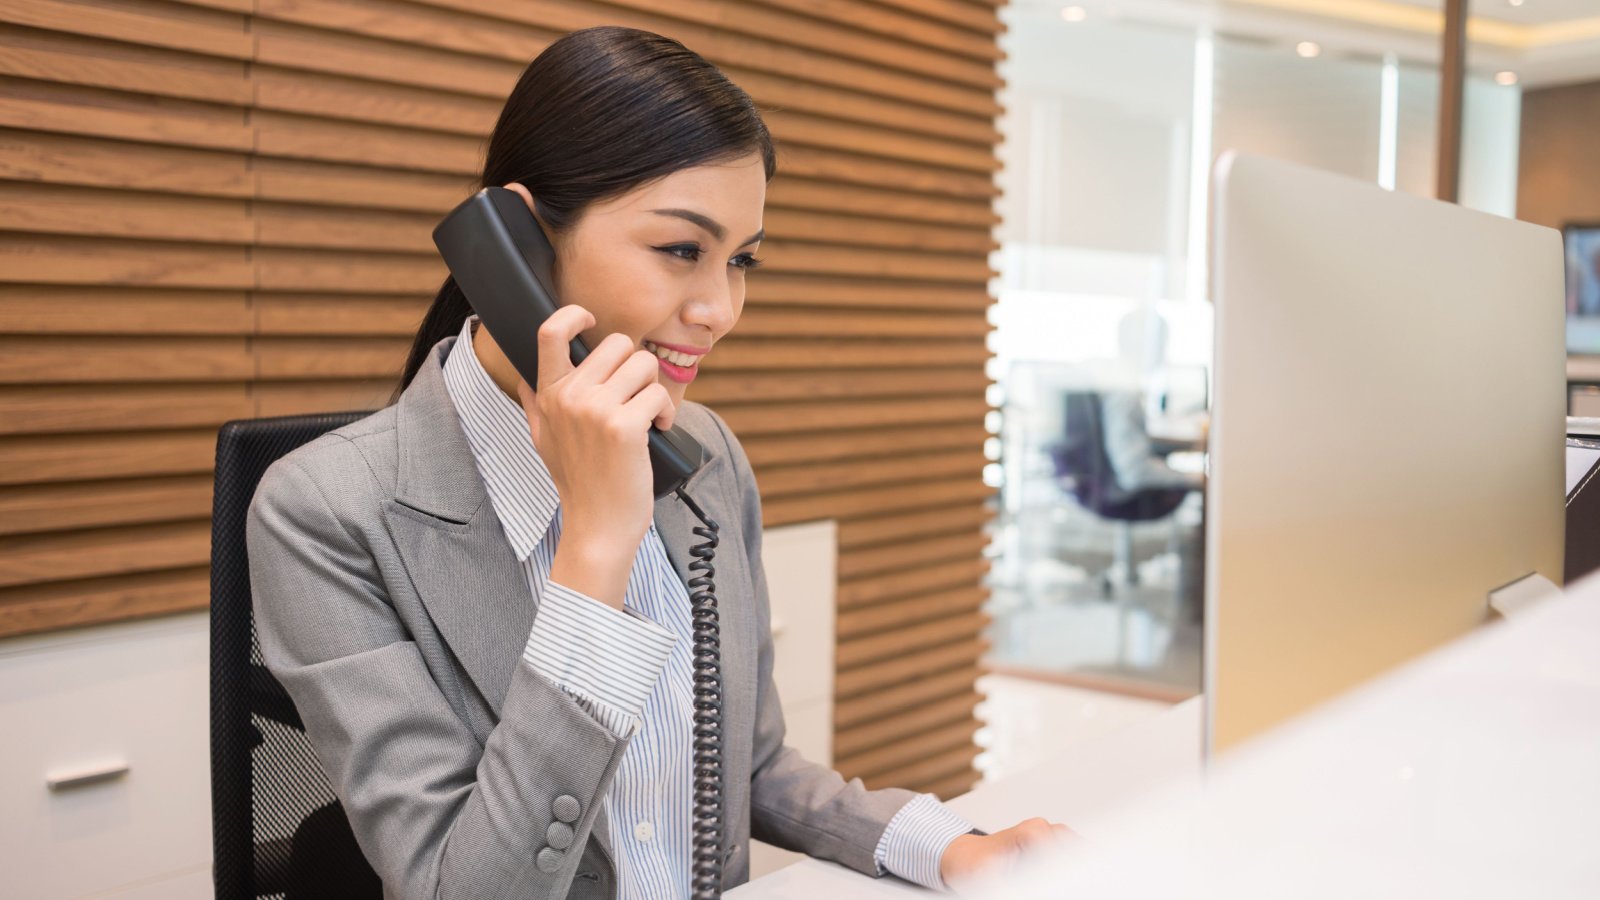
(501,259)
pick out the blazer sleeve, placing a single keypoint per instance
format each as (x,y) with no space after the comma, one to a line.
(437,814)
(795,803)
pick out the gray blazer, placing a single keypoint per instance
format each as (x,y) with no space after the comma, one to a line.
(393,610)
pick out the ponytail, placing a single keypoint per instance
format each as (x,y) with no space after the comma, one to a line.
(444,318)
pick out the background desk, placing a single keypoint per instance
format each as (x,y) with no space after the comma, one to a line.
(1080,789)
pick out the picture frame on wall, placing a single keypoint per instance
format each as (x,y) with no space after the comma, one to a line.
(1582,242)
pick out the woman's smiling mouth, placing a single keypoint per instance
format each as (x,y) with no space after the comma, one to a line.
(680,366)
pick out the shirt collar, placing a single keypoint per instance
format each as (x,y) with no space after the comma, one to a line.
(518,482)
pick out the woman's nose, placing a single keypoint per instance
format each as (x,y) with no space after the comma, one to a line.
(713,305)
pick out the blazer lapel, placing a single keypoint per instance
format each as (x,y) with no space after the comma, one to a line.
(444,526)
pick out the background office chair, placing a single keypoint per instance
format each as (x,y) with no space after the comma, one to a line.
(1084,469)
(277,829)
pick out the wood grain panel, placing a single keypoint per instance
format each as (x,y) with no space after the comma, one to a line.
(70,109)
(219,209)
(745,386)
(911,750)
(812,479)
(56,409)
(39,508)
(780,449)
(45,309)
(860,592)
(36,157)
(873,705)
(39,459)
(63,604)
(873,501)
(908,666)
(50,557)
(877,531)
(925,716)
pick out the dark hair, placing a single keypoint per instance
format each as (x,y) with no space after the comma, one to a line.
(600,112)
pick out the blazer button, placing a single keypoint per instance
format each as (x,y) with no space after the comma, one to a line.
(566,808)
(550,860)
(559,834)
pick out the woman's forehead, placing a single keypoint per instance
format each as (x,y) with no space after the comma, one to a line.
(732,193)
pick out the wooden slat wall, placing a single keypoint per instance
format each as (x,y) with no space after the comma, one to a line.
(219,209)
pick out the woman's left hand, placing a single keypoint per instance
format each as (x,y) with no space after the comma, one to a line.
(971,853)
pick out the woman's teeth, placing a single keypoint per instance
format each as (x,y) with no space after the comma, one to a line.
(672,356)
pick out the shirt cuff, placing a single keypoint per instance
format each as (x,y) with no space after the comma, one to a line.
(915,840)
(607,659)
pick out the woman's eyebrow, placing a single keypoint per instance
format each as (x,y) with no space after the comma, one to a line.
(707,223)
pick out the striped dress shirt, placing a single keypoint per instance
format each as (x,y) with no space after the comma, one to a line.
(630,669)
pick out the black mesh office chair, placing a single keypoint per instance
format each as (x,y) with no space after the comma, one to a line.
(277,829)
(1083,466)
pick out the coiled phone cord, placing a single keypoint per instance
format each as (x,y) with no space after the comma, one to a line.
(705,870)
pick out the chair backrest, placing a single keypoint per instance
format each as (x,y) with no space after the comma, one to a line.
(274,816)
(1081,455)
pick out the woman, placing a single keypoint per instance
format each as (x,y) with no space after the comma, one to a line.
(471,595)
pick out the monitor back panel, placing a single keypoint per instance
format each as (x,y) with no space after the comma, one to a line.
(1387,436)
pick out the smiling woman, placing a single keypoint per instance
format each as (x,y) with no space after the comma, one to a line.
(476,602)
(596,116)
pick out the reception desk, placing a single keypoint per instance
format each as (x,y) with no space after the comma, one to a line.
(1471,771)
(1081,788)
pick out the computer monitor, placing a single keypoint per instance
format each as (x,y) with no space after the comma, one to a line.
(1387,436)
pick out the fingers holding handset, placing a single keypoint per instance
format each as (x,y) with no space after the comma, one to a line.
(615,371)
(589,423)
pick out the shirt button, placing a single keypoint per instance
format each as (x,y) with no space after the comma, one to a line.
(644,831)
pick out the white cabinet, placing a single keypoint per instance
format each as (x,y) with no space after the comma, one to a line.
(97,699)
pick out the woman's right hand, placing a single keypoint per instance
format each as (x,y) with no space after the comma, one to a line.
(590,424)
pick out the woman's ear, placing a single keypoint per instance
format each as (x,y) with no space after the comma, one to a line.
(527,198)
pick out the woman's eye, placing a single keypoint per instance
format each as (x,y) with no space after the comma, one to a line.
(689,252)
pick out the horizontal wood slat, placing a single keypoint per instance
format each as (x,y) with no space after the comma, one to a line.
(54,605)
(911,750)
(932,766)
(923,717)
(44,558)
(64,507)
(875,704)
(780,449)
(858,534)
(924,608)
(40,459)
(919,664)
(221,209)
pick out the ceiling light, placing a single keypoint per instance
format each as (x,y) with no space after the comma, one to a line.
(1308,49)
(1514,2)
(1505,78)
(1074,13)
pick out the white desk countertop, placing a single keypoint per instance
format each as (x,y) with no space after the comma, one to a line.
(1472,772)
(1080,789)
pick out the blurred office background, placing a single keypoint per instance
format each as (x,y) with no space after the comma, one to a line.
(1114,113)
(985,302)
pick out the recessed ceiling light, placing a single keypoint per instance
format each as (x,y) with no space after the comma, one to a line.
(1308,49)
(1514,2)
(1074,13)
(1505,78)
